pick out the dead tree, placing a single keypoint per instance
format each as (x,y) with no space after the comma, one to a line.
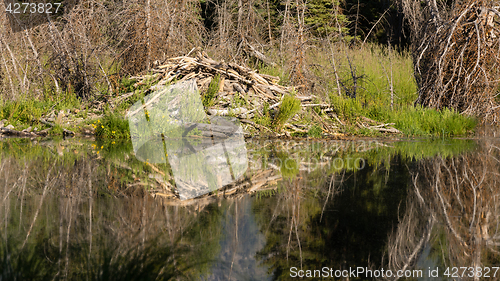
(455,54)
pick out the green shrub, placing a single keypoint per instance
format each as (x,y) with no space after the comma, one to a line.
(347,108)
(208,98)
(112,126)
(126,85)
(315,131)
(56,130)
(290,106)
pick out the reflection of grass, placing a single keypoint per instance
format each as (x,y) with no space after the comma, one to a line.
(153,262)
(110,258)
(352,155)
(25,264)
(411,150)
(289,167)
(261,194)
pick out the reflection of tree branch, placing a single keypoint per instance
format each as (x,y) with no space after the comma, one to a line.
(445,213)
(453,179)
(460,194)
(289,235)
(70,206)
(332,180)
(298,240)
(420,198)
(40,205)
(419,247)
(274,214)
(406,244)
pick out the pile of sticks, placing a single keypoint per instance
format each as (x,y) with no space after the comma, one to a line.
(253,88)
(455,54)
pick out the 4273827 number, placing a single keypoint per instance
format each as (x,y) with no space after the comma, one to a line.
(485,272)
(32,8)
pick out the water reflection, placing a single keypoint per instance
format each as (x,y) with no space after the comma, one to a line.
(83,210)
(452,219)
(204,153)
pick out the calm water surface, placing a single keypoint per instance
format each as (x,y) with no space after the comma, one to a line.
(90,210)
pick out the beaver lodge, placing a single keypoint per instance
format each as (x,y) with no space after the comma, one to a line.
(229,89)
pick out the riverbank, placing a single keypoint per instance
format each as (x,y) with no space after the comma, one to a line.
(382,104)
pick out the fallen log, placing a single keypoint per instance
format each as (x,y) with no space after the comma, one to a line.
(11,132)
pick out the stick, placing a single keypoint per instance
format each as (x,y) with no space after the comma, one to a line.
(271,107)
(313,104)
(227,73)
(381,17)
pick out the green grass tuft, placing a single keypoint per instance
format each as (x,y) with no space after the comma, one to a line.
(112,126)
(290,106)
(208,98)
(315,131)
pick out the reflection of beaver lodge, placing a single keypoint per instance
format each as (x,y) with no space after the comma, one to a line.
(455,54)
(454,211)
(204,154)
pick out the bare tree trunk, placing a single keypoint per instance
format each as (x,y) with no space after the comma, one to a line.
(285,25)
(148,35)
(240,18)
(356,22)
(14,64)
(297,72)
(334,65)
(8,72)
(269,21)
(391,87)
(337,79)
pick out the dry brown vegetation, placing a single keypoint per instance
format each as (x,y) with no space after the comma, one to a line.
(89,48)
(455,54)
